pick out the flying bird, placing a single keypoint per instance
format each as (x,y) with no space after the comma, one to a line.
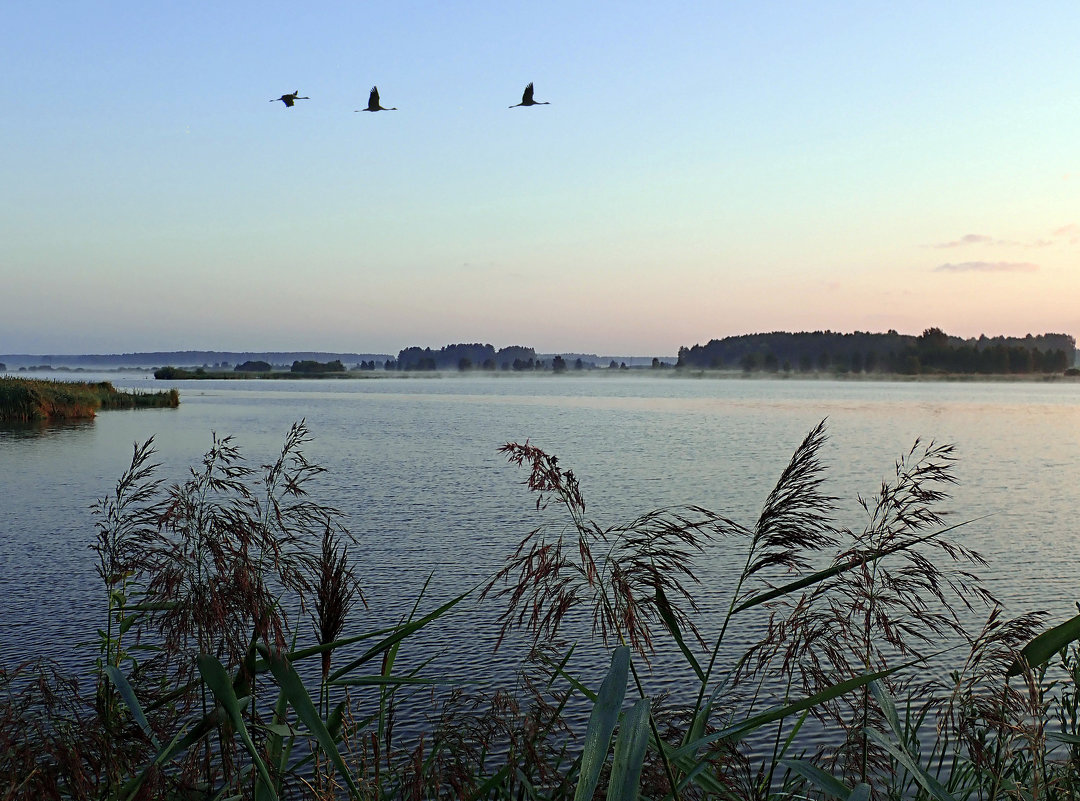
(527,99)
(373,102)
(289,99)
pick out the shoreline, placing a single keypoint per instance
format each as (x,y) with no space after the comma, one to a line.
(28,400)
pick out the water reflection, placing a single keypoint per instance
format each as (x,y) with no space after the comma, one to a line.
(41,429)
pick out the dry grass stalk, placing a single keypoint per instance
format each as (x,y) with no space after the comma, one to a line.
(617,573)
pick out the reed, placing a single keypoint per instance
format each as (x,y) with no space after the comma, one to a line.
(24,400)
(210,584)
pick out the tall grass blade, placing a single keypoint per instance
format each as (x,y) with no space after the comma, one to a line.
(399,634)
(824,781)
(630,745)
(301,702)
(179,743)
(739,730)
(217,679)
(836,570)
(925,780)
(120,681)
(664,607)
(888,708)
(605,714)
(275,748)
(488,786)
(1038,651)
(384,681)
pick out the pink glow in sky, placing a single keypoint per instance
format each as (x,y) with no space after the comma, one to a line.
(699,173)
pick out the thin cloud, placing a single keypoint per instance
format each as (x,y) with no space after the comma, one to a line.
(983,239)
(988,267)
(967,239)
(1070,231)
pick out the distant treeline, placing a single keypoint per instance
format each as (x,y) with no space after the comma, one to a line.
(517,358)
(467,357)
(300,368)
(208,359)
(933,351)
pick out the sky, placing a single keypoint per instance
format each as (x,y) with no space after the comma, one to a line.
(702,170)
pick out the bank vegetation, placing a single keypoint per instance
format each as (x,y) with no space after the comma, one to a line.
(25,400)
(210,680)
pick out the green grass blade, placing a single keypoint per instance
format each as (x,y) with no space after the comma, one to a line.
(275,747)
(217,679)
(672,625)
(925,780)
(793,733)
(314,650)
(562,664)
(630,745)
(826,782)
(334,722)
(739,730)
(489,784)
(578,685)
(179,743)
(860,793)
(605,714)
(1039,650)
(386,681)
(835,570)
(120,681)
(300,700)
(888,707)
(399,634)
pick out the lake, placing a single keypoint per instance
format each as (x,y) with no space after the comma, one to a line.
(412,462)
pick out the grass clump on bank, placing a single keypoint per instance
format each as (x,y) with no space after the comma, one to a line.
(25,400)
(225,668)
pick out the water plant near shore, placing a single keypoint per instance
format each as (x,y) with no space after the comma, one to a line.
(24,400)
(202,682)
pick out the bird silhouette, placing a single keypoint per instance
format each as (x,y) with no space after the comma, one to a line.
(373,102)
(289,99)
(527,99)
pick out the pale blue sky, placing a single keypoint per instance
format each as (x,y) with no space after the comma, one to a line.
(700,172)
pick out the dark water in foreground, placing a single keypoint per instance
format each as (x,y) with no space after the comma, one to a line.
(413,465)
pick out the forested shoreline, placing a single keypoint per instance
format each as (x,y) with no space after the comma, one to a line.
(932,352)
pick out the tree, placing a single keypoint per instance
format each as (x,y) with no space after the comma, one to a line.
(910,365)
(558,365)
(933,339)
(253,367)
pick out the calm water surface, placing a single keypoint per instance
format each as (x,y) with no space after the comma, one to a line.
(412,462)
